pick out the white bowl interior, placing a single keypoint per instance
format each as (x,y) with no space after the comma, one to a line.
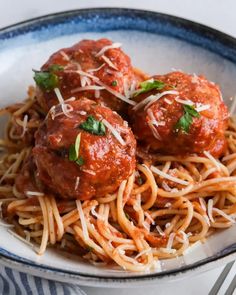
(150,52)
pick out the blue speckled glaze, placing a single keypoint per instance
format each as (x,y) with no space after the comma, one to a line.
(222,254)
(101,20)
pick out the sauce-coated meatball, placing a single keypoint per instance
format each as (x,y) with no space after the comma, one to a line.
(112,69)
(192,119)
(102,162)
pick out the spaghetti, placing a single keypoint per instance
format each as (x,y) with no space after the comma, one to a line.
(167,204)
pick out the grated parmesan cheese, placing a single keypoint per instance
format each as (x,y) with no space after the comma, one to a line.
(82,73)
(167,101)
(223,214)
(184,240)
(153,119)
(70,99)
(184,101)
(154,131)
(105,48)
(167,225)
(213,160)
(31,194)
(64,55)
(97,93)
(117,94)
(85,81)
(24,125)
(77,182)
(144,252)
(85,88)
(167,176)
(64,107)
(126,88)
(202,107)
(96,70)
(94,213)
(153,98)
(113,131)
(149,217)
(146,226)
(109,89)
(88,171)
(166,186)
(170,241)
(109,62)
(185,236)
(82,113)
(160,231)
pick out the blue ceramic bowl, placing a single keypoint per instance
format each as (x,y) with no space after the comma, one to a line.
(156,43)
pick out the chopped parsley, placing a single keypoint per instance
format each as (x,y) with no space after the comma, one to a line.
(114,83)
(48,80)
(186,120)
(55,68)
(74,151)
(79,161)
(93,126)
(150,85)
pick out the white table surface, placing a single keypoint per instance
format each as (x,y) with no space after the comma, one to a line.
(218,14)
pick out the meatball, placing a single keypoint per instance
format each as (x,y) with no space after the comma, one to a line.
(105,73)
(92,167)
(190,117)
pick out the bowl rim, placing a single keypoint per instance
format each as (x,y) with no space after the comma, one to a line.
(201,33)
(210,36)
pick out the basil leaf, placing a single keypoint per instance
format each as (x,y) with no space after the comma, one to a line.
(93,126)
(74,151)
(46,80)
(191,110)
(149,85)
(186,120)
